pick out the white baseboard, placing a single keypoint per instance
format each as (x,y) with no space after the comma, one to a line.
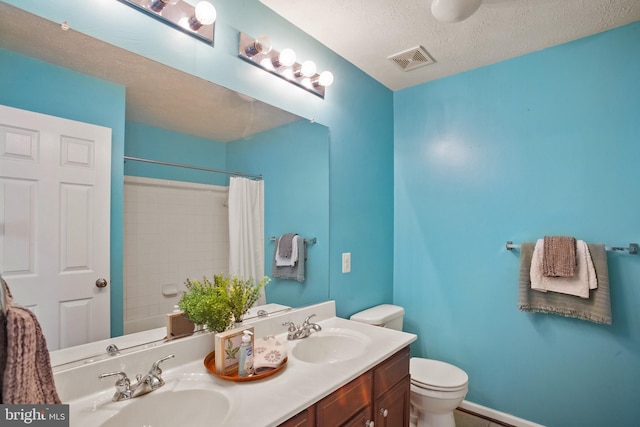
(497,415)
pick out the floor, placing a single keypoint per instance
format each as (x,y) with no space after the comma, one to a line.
(470,419)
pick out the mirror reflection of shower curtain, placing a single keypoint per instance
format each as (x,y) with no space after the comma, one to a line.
(246,230)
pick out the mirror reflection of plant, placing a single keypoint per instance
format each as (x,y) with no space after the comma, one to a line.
(241,294)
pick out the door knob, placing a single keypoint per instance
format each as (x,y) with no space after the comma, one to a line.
(101,283)
(384,412)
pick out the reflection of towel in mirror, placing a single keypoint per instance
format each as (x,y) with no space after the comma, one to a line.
(27,376)
(291,260)
(596,309)
(285,245)
(295,272)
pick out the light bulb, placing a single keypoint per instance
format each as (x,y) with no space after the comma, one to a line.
(286,58)
(267,64)
(454,10)
(288,74)
(205,13)
(308,68)
(261,45)
(326,78)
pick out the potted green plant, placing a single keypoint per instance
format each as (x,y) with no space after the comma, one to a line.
(206,304)
(217,305)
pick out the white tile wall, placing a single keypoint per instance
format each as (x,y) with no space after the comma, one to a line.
(172,231)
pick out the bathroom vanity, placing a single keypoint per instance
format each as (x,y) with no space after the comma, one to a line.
(378,397)
(347,374)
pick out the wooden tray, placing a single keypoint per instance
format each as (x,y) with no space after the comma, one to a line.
(210,364)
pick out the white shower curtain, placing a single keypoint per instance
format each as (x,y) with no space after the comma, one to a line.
(246,230)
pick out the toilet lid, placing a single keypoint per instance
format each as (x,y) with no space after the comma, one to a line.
(436,375)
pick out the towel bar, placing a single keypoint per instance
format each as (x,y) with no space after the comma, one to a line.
(311,240)
(632,248)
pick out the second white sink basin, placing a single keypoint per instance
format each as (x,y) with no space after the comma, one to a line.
(331,346)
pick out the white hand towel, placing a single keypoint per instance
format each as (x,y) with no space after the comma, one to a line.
(290,261)
(269,353)
(579,285)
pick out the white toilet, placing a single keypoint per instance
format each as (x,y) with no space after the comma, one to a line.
(437,388)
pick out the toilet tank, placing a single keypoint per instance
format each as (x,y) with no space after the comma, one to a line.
(385,315)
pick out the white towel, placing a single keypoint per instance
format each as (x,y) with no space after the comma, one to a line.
(579,285)
(290,261)
(268,353)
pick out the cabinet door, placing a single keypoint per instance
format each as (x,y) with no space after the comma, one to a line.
(392,408)
(361,419)
(341,405)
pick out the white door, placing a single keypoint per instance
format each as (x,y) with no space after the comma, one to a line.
(54,222)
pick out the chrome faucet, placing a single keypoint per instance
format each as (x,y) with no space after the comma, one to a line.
(144,384)
(302,331)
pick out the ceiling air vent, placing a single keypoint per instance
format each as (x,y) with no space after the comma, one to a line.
(412,58)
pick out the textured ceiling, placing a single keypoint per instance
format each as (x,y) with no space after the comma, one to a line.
(156,95)
(367,32)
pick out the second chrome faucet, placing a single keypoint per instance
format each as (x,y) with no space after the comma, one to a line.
(301,331)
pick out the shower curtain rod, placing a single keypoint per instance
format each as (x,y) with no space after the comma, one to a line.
(157,162)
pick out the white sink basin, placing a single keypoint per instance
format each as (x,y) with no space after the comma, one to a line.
(331,346)
(188,400)
(173,408)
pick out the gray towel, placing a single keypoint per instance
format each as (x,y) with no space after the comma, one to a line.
(596,309)
(284,245)
(291,273)
(27,377)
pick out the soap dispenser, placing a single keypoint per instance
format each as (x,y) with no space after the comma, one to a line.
(245,365)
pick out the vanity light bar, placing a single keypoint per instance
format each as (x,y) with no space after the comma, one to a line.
(258,52)
(197,21)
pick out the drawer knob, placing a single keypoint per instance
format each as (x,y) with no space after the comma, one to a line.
(384,412)
(369,424)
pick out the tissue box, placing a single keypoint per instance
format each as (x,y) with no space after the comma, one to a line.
(227,350)
(178,325)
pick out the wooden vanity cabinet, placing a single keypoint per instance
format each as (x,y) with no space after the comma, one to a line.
(379,397)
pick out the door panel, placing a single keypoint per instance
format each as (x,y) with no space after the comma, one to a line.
(55,177)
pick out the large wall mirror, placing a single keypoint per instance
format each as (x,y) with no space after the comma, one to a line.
(177,118)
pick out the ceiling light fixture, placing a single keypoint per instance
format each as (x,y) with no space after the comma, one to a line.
(259,52)
(454,10)
(197,21)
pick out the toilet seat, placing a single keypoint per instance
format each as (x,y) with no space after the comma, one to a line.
(436,375)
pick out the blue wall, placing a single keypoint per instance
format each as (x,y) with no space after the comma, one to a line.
(294,161)
(543,144)
(149,142)
(75,96)
(357,110)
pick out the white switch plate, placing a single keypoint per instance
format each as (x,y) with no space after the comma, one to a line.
(346,262)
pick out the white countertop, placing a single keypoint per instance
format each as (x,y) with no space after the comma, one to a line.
(264,402)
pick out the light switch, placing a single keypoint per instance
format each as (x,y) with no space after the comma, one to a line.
(346,262)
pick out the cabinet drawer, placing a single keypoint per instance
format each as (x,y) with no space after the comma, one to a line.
(340,406)
(305,418)
(389,372)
